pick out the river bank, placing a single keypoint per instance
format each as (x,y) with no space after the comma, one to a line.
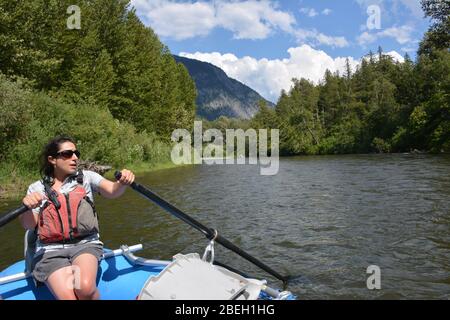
(15,184)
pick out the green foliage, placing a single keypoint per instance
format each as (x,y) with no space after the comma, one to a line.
(298,119)
(400,140)
(438,35)
(116,88)
(380,145)
(111,84)
(383,106)
(13,116)
(30,119)
(113,61)
(28,40)
(265,118)
(343,138)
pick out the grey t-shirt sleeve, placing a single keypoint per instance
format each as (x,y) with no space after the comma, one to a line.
(93,178)
(37,187)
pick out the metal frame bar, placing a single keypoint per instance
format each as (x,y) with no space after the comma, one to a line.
(106,255)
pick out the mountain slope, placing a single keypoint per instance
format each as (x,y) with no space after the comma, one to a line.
(219,94)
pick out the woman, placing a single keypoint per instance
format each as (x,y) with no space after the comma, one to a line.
(68,248)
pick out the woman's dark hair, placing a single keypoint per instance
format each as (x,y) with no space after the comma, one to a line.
(51,149)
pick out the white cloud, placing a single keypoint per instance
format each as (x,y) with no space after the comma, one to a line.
(394,6)
(366,38)
(181,20)
(401,34)
(310,12)
(249,19)
(396,56)
(408,49)
(367,3)
(269,77)
(413,6)
(304,35)
(252,19)
(339,42)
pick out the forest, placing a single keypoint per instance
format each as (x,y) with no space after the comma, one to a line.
(382,106)
(114,87)
(111,84)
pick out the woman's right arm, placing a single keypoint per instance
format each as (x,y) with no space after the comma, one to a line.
(29,219)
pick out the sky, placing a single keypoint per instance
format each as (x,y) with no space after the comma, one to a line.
(266,43)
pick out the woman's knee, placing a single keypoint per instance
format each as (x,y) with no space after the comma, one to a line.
(86,288)
(60,283)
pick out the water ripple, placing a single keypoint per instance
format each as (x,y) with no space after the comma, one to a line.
(326,218)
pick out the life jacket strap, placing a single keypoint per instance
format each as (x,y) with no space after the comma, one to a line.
(80,177)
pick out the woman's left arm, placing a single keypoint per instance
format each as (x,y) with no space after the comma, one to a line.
(112,190)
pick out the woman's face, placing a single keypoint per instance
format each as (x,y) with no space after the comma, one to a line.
(63,164)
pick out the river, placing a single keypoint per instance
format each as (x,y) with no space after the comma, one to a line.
(325,218)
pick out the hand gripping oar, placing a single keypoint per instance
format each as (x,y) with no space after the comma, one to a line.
(22,209)
(12,215)
(211,234)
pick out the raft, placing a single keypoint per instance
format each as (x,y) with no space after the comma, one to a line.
(124,276)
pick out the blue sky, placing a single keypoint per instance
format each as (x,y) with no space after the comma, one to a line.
(264,44)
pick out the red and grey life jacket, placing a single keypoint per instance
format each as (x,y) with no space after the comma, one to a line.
(66,218)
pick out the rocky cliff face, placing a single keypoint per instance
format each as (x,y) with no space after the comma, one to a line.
(219,94)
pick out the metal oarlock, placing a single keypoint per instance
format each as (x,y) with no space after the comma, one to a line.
(209,250)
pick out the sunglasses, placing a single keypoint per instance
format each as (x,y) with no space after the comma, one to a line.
(67,154)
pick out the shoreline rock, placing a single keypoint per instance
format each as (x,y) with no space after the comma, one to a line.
(94,166)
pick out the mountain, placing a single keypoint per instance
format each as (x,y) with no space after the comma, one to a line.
(219,95)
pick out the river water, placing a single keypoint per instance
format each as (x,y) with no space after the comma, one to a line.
(325,219)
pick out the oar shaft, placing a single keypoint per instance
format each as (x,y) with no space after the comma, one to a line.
(229,245)
(172,209)
(209,233)
(12,215)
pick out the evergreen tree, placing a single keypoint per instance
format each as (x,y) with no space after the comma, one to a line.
(113,61)
(438,35)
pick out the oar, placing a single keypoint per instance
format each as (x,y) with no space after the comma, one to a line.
(209,233)
(12,215)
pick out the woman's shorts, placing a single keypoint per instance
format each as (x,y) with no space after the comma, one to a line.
(48,262)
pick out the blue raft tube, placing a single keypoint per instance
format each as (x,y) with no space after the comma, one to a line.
(121,276)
